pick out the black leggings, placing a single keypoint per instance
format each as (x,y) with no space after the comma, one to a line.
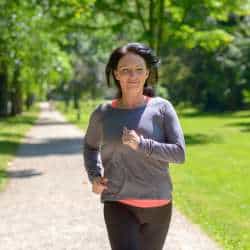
(134,228)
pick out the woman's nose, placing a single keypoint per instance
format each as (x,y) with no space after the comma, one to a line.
(132,73)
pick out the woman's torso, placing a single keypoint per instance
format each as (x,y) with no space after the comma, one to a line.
(131,174)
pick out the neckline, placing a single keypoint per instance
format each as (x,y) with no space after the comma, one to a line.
(115,102)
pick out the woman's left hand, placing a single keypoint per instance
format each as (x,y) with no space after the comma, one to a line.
(130,138)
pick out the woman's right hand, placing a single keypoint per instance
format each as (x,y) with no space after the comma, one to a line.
(99,184)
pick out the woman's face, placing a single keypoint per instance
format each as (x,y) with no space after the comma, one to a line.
(132,73)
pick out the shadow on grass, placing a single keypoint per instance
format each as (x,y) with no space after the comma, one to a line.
(27,119)
(244,126)
(227,114)
(193,114)
(44,147)
(3,174)
(10,135)
(8,147)
(196,139)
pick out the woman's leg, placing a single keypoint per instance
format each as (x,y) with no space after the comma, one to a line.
(122,226)
(154,231)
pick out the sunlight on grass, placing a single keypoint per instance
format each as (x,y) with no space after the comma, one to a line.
(212,187)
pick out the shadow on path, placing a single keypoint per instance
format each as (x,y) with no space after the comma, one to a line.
(46,147)
(26,173)
(48,122)
(62,146)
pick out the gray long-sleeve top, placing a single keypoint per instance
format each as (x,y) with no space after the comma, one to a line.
(141,173)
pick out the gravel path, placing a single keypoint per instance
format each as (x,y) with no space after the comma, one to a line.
(46,206)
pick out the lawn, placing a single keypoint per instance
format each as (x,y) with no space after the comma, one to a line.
(12,130)
(213,186)
(85,110)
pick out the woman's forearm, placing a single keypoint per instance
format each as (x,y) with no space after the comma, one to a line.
(173,153)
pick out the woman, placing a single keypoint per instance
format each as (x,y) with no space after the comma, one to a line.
(128,146)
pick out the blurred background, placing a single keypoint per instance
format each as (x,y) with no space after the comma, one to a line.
(56,51)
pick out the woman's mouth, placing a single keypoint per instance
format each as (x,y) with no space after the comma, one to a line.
(132,82)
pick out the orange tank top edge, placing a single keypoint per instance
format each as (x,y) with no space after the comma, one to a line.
(144,203)
(114,101)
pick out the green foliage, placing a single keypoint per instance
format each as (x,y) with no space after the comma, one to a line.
(86,107)
(27,44)
(212,78)
(42,42)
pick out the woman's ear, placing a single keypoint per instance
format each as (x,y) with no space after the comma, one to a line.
(147,74)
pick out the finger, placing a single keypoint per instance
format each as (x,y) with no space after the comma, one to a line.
(97,180)
(134,137)
(125,141)
(104,181)
(102,187)
(99,188)
(128,135)
(129,140)
(126,130)
(132,133)
(124,138)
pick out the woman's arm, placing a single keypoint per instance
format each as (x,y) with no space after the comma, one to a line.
(91,146)
(174,150)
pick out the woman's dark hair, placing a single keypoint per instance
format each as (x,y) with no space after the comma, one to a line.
(146,53)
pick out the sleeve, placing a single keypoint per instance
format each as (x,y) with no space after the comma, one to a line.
(91,146)
(174,150)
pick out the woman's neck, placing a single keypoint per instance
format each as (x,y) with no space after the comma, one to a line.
(131,101)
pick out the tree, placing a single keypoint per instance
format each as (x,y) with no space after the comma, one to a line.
(29,52)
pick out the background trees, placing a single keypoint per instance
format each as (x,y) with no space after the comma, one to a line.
(63,45)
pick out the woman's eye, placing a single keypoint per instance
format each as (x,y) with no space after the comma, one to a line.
(139,69)
(124,70)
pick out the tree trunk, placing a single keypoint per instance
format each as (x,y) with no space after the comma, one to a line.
(3,91)
(160,27)
(152,24)
(16,94)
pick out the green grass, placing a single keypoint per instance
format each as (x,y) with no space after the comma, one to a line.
(71,114)
(213,187)
(12,130)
